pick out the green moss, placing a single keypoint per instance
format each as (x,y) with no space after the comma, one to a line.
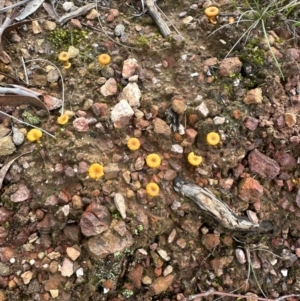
(66,37)
(142,41)
(30,118)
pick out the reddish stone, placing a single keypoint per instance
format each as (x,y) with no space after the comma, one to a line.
(191,135)
(5,215)
(135,275)
(210,241)
(226,183)
(100,109)
(250,190)
(251,123)
(263,165)
(285,160)
(230,66)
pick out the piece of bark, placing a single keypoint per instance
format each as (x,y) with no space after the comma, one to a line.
(155,15)
(78,12)
(216,208)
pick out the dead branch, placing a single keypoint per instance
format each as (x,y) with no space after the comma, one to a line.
(191,297)
(155,15)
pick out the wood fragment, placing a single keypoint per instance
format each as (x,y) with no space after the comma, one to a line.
(155,15)
(217,209)
(80,11)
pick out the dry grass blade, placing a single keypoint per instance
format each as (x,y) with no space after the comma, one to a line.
(6,167)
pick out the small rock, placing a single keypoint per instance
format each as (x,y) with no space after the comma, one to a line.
(202,108)
(36,28)
(51,102)
(219,263)
(132,94)
(187,20)
(18,136)
(109,88)
(7,147)
(107,72)
(27,276)
(113,13)
(5,216)
(178,105)
(210,241)
(100,109)
(263,165)
(226,183)
(21,195)
(119,30)
(52,76)
(91,224)
(81,124)
(135,275)
(240,256)
(73,52)
(49,25)
(4,269)
(120,204)
(250,190)
(129,67)
(251,123)
(161,127)
(108,243)
(219,120)
(191,135)
(111,171)
(54,293)
(67,6)
(177,149)
(253,96)
(67,268)
(230,66)
(161,284)
(285,160)
(93,14)
(75,23)
(121,114)
(290,119)
(72,253)
(147,280)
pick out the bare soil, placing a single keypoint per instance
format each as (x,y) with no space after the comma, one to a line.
(177,251)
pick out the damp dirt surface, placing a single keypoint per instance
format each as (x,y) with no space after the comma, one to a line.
(66,236)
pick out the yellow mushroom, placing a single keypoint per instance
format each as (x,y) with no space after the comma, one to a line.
(96,171)
(34,135)
(104,59)
(62,119)
(211,13)
(133,144)
(152,189)
(153,160)
(213,138)
(194,159)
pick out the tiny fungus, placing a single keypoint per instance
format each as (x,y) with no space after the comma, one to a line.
(152,189)
(231,20)
(96,171)
(213,138)
(62,119)
(211,13)
(104,59)
(153,160)
(34,135)
(64,58)
(194,159)
(133,144)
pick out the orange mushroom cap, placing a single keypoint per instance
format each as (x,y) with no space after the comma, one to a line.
(211,12)
(104,59)
(64,56)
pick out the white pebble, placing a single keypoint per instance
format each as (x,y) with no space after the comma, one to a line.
(176,148)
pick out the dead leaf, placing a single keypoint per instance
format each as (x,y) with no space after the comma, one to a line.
(6,167)
(16,100)
(29,9)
